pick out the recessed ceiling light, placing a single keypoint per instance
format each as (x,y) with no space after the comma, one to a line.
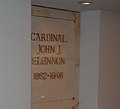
(85,3)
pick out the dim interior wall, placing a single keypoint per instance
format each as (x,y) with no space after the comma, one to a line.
(100,60)
(15,52)
(89,59)
(109,86)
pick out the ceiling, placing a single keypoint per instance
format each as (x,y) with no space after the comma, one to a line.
(109,5)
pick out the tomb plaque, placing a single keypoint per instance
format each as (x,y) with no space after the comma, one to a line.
(55,59)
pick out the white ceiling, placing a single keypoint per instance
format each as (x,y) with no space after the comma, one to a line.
(109,5)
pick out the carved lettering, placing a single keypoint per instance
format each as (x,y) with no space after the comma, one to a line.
(48,60)
(51,37)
